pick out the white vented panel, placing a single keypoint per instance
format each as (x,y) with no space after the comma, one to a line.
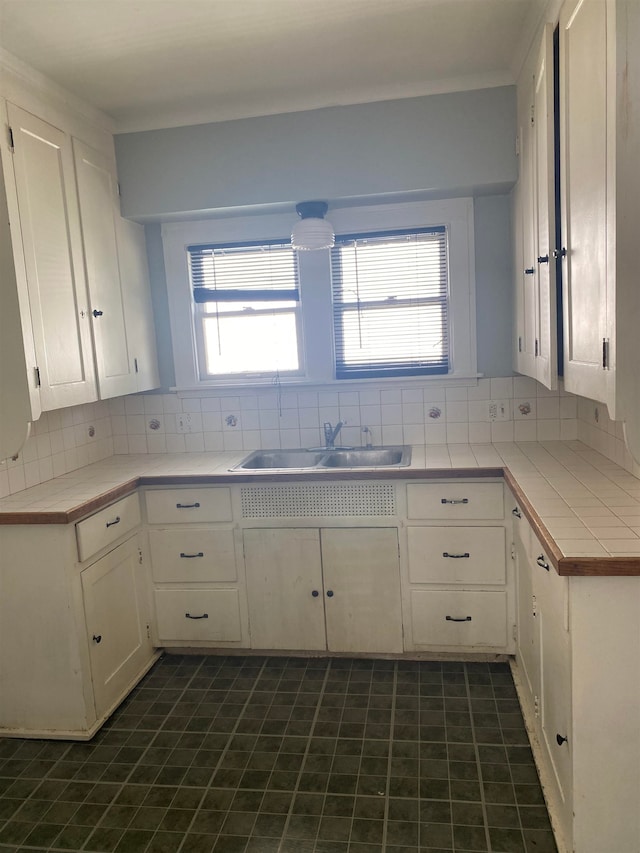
(319,501)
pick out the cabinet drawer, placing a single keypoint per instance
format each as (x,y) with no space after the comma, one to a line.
(455,500)
(186,506)
(435,616)
(198,615)
(192,555)
(460,555)
(107,526)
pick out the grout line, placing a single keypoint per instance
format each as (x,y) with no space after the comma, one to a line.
(483,803)
(385,825)
(295,790)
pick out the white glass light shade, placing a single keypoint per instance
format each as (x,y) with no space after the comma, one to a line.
(312,233)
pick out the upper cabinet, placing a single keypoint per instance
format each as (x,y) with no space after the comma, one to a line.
(534,222)
(600,190)
(79,273)
(49,229)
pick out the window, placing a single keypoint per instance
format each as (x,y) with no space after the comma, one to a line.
(395,298)
(246,303)
(390,299)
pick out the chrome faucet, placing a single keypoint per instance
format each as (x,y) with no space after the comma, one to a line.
(331,433)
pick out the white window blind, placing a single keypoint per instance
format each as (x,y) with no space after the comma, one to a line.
(390,303)
(246,299)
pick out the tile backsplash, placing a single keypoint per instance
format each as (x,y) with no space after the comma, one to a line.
(67,439)
(415,414)
(59,442)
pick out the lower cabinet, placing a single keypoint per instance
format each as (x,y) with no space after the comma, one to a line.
(579,687)
(75,636)
(335,589)
(117,622)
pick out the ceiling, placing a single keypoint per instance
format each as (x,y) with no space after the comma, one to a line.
(164,63)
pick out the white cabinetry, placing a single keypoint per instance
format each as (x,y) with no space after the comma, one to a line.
(329,588)
(74,636)
(600,201)
(578,682)
(199,596)
(52,251)
(534,219)
(459,595)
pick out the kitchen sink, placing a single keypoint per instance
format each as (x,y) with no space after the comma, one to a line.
(364,457)
(368,457)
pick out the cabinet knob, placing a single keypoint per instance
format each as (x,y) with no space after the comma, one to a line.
(329,593)
(542,562)
(315,593)
(560,740)
(529,271)
(97,639)
(97,313)
(543,259)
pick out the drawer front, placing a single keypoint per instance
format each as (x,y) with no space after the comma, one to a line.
(460,555)
(198,615)
(191,555)
(107,526)
(188,506)
(459,619)
(455,500)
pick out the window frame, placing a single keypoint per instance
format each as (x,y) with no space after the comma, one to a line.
(315,287)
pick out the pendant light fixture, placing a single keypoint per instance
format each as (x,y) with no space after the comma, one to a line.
(312,231)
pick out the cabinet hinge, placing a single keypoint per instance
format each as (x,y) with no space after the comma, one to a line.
(148,632)
(605,353)
(514,631)
(36,371)
(135,365)
(517,145)
(513,551)
(536,348)
(536,706)
(12,147)
(533,114)
(519,344)
(140,555)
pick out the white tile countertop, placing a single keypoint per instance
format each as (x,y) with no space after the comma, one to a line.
(584,507)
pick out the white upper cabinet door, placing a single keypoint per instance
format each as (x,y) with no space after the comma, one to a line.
(544,195)
(583,163)
(136,292)
(52,247)
(526,272)
(97,195)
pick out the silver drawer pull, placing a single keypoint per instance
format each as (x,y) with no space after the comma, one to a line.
(464,556)
(461,619)
(542,562)
(116,520)
(191,556)
(189,616)
(460,501)
(188,506)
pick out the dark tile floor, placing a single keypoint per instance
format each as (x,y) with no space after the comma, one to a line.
(287,755)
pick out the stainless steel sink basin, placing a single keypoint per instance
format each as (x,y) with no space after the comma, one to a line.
(368,457)
(365,457)
(260,459)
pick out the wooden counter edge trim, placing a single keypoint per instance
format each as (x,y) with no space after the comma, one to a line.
(592,567)
(83,509)
(548,542)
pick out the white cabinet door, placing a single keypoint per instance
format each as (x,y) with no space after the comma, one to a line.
(583,153)
(118,633)
(362,589)
(284,586)
(52,248)
(544,196)
(528,621)
(136,291)
(97,194)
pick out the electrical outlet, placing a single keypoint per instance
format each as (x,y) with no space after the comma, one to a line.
(499,410)
(184,422)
